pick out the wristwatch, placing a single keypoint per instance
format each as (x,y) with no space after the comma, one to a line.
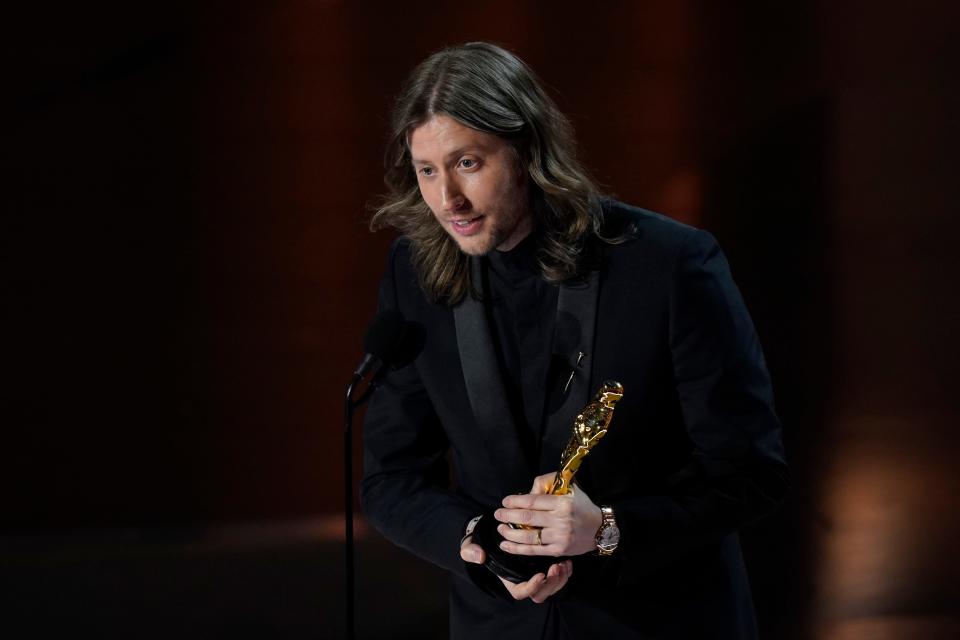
(608,535)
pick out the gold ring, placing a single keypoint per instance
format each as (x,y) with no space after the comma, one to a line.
(539,541)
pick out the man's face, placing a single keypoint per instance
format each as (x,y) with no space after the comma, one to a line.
(473,184)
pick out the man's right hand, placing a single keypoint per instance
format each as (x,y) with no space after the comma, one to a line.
(538,588)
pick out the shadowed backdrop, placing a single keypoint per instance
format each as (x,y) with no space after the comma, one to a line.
(187,276)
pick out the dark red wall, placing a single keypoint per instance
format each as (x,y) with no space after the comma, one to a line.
(187,274)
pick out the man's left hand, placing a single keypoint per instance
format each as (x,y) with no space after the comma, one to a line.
(568,523)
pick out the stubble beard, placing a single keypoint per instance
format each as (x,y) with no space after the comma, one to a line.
(500,231)
(491,240)
(480,244)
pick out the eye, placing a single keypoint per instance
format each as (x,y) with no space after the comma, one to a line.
(468,163)
(426,171)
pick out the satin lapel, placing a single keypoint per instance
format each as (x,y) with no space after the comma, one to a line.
(485,389)
(576,309)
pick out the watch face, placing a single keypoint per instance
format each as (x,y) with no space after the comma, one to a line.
(609,537)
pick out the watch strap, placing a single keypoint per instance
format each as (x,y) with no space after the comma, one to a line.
(609,521)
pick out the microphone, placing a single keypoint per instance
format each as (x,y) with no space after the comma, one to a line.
(382,343)
(389,340)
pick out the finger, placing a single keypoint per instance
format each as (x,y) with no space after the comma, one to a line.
(471,552)
(542,484)
(549,589)
(524,590)
(540,502)
(519,549)
(556,579)
(555,570)
(528,517)
(521,536)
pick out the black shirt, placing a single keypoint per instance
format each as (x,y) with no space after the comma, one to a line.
(522,307)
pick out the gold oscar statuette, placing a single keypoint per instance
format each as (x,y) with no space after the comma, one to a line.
(590,425)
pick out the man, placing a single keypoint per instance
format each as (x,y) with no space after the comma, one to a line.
(531,290)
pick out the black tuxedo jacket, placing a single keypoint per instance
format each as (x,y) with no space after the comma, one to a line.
(694,451)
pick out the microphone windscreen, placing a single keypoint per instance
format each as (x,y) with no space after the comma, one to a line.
(385,334)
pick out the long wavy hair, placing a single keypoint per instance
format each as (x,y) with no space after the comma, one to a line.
(488,89)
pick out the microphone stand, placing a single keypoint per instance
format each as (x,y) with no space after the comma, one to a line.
(350,404)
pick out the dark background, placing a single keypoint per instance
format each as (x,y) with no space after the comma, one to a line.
(187,275)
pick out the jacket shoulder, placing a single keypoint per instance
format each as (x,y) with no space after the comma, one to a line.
(400,259)
(630,230)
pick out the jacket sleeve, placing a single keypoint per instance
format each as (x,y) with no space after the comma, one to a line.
(405,487)
(737,471)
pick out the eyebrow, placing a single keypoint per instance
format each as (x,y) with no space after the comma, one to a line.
(455,153)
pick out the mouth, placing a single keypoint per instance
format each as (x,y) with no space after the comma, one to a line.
(467,226)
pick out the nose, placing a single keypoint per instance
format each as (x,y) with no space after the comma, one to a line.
(451,197)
